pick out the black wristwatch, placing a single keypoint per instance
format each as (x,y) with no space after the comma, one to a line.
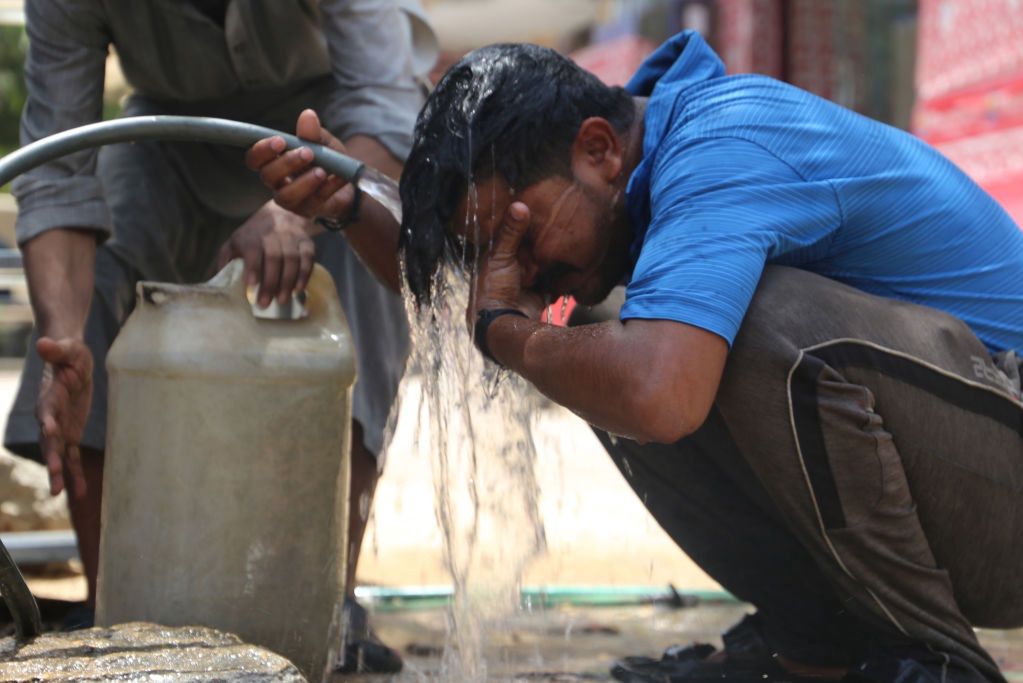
(484,317)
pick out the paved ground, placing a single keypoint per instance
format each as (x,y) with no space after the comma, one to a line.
(598,535)
(571,644)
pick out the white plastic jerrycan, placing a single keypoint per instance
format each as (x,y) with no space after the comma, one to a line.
(226,483)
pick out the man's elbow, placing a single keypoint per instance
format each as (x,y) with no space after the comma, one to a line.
(667,421)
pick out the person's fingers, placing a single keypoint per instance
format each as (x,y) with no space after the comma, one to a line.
(74,475)
(307,256)
(264,151)
(295,195)
(272,253)
(52,350)
(290,259)
(226,253)
(52,446)
(309,128)
(70,355)
(513,228)
(276,174)
(331,186)
(252,257)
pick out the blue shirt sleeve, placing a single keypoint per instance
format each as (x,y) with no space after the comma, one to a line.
(720,209)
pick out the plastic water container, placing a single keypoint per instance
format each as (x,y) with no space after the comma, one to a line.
(226,482)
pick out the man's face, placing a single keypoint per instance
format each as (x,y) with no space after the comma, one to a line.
(576,241)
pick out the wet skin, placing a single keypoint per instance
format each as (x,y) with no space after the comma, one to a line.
(575,241)
(650,380)
(569,236)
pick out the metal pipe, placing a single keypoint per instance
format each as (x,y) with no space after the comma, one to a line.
(180,128)
(426,597)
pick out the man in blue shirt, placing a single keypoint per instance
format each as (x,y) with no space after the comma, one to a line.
(814,368)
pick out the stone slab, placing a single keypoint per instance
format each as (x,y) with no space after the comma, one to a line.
(140,652)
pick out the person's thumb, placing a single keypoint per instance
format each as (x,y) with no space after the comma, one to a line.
(513,228)
(308,126)
(55,350)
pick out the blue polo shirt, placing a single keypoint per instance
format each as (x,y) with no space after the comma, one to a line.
(741,171)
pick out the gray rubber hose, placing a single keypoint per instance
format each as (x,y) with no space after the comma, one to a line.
(180,128)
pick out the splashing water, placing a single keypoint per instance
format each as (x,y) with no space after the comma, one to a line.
(476,422)
(383,189)
(479,434)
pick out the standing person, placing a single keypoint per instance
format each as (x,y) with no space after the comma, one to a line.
(814,375)
(161,211)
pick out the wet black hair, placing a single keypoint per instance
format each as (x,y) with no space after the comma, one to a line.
(509,109)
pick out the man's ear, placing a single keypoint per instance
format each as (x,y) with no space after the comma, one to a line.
(597,151)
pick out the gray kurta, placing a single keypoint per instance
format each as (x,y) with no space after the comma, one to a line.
(166,207)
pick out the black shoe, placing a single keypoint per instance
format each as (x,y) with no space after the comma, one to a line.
(78,617)
(364,653)
(914,663)
(748,660)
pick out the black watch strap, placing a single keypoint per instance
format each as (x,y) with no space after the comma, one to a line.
(484,317)
(339,224)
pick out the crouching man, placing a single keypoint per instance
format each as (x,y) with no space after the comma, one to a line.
(814,367)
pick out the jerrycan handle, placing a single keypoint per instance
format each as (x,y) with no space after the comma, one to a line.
(322,304)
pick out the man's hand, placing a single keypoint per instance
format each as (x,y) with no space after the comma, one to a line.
(65,394)
(499,280)
(298,186)
(277,251)
(309,191)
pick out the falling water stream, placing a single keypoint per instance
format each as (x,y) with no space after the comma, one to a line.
(476,423)
(381,188)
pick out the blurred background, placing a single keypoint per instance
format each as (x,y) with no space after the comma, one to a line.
(950,71)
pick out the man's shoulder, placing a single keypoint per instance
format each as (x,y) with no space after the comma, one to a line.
(751,106)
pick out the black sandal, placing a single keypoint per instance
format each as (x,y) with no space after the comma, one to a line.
(749,659)
(364,653)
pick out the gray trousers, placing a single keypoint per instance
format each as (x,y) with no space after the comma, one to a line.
(173,205)
(859,480)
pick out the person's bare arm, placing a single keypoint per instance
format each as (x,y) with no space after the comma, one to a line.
(61,215)
(648,380)
(375,236)
(59,268)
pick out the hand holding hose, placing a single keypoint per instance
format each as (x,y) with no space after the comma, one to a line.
(298,186)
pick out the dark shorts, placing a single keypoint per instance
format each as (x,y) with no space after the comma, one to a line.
(859,479)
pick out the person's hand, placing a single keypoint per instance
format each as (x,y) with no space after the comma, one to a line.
(277,251)
(298,186)
(65,395)
(499,278)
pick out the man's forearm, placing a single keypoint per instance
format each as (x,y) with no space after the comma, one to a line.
(577,368)
(646,380)
(59,267)
(375,236)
